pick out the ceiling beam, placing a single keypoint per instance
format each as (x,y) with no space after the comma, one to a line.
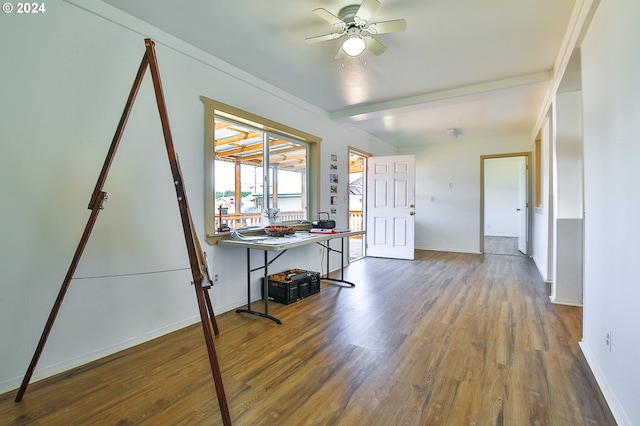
(366,110)
(241,137)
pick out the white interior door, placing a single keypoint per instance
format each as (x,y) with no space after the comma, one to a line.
(523,207)
(391,207)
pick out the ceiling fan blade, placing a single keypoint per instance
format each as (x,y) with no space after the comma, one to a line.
(325,37)
(366,10)
(328,16)
(374,45)
(395,26)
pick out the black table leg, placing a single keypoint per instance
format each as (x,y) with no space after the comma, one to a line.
(341,251)
(265,289)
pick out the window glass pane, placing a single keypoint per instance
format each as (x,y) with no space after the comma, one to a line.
(288,159)
(238,153)
(225,187)
(250,185)
(239,174)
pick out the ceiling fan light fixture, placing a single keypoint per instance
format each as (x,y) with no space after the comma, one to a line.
(354,45)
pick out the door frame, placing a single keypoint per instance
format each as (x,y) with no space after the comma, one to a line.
(529,212)
(366,156)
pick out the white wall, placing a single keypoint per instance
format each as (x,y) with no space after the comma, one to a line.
(611,90)
(449,174)
(568,156)
(66,76)
(567,263)
(501,196)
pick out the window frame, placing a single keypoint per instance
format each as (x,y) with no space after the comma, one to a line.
(213,108)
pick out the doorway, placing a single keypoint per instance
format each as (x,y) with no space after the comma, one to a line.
(357,202)
(505,200)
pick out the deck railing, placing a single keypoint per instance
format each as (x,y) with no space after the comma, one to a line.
(254,219)
(356,220)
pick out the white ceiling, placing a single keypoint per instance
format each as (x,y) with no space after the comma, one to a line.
(483,67)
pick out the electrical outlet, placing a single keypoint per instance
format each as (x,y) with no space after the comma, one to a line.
(607,341)
(320,251)
(216,279)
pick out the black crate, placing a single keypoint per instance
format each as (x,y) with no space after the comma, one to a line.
(314,284)
(292,285)
(286,293)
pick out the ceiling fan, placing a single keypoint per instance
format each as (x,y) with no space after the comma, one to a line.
(353,21)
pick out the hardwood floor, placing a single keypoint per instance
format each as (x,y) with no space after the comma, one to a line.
(447,339)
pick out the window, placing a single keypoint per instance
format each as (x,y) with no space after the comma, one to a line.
(244,159)
(254,164)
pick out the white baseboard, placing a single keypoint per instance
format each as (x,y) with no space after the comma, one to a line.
(78,360)
(567,302)
(616,408)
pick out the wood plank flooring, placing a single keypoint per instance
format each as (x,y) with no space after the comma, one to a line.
(447,339)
